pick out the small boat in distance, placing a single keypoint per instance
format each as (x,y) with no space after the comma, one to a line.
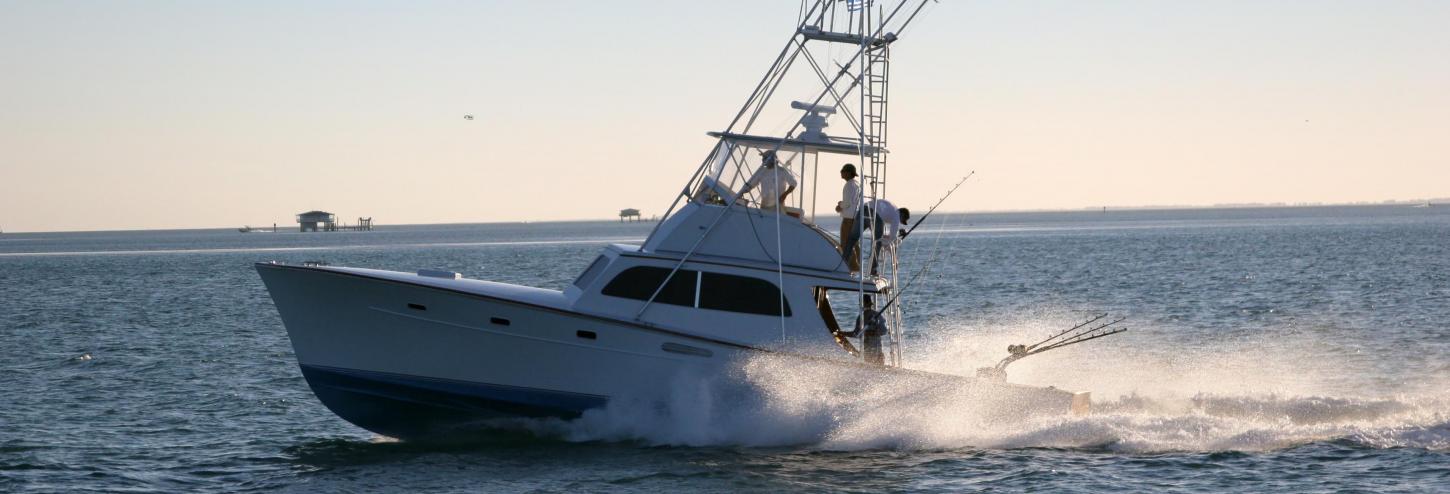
(726,276)
(250,229)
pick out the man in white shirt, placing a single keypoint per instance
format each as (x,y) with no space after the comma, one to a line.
(888,214)
(847,206)
(770,177)
(885,214)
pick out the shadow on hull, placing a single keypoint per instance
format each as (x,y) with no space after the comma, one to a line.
(411,407)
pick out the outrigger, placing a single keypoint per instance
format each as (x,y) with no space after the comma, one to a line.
(724,278)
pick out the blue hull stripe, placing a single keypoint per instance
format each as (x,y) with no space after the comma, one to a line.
(406,406)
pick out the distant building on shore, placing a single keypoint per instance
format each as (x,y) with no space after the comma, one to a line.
(312,219)
(628,215)
(323,221)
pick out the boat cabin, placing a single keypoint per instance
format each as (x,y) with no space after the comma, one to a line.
(730,266)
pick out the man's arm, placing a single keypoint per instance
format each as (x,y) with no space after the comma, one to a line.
(749,184)
(895,223)
(784,194)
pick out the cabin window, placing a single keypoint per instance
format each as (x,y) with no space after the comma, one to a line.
(640,282)
(740,294)
(688,288)
(590,274)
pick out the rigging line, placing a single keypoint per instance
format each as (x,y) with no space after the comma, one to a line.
(758,102)
(938,203)
(779,78)
(861,148)
(815,184)
(944,259)
(909,283)
(779,255)
(873,172)
(938,252)
(896,313)
(777,69)
(951,254)
(842,74)
(759,86)
(935,251)
(760,107)
(941,231)
(913,14)
(859,56)
(770,74)
(686,191)
(774,68)
(915,248)
(693,248)
(845,110)
(755,232)
(684,258)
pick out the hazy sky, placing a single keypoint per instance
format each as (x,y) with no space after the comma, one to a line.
(118,115)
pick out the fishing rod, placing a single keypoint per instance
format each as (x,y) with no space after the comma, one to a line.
(1076,338)
(1069,330)
(1074,334)
(938,203)
(924,267)
(909,282)
(1081,338)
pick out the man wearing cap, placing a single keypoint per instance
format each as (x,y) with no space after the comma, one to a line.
(850,201)
(769,178)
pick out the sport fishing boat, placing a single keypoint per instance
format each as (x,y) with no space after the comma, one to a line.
(727,275)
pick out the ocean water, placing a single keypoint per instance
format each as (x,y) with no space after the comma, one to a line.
(1288,349)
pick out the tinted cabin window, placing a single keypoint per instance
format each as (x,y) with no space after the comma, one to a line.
(740,294)
(640,282)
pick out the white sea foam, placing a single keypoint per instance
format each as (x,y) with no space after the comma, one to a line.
(1231,398)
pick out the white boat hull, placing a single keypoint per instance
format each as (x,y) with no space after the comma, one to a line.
(414,359)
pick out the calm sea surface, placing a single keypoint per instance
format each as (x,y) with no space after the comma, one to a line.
(1293,349)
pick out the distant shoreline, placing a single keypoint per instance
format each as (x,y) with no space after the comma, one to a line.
(1249,205)
(1444,201)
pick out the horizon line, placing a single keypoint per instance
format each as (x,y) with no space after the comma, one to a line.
(1152,207)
